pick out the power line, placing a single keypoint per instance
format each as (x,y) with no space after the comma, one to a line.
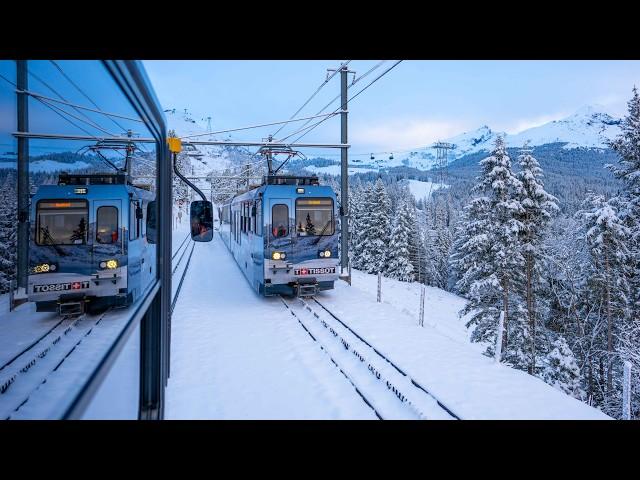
(256,126)
(355,81)
(88,122)
(342,65)
(354,97)
(75,105)
(83,93)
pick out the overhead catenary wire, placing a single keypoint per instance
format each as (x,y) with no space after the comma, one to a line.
(255,126)
(327,80)
(354,97)
(59,68)
(355,81)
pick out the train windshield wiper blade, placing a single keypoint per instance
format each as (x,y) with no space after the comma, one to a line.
(322,232)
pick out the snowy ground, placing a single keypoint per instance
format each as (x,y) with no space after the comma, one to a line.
(236,355)
(439,355)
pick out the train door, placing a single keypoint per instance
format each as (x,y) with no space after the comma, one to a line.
(109,241)
(281,226)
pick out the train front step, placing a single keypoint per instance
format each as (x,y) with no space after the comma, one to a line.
(307,289)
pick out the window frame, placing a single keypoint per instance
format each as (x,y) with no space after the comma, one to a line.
(333,218)
(288,227)
(117,224)
(36,239)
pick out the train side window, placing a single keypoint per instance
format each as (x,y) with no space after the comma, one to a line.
(279,220)
(151,222)
(259,218)
(134,221)
(107,225)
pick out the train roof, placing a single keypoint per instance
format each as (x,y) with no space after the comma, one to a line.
(92,192)
(287,190)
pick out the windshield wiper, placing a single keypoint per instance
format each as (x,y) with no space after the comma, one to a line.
(322,232)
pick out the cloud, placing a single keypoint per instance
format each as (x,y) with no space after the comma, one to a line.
(400,134)
(526,123)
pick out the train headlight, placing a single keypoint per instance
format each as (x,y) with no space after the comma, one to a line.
(44,268)
(110,264)
(278,255)
(322,254)
(327,253)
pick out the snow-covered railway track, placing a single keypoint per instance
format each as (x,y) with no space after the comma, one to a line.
(176,291)
(389,361)
(391,392)
(25,373)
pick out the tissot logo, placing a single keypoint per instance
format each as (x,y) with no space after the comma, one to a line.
(314,271)
(57,287)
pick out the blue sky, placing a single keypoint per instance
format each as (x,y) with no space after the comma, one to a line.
(414,104)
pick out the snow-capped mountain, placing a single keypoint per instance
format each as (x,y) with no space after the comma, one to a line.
(589,127)
(205,158)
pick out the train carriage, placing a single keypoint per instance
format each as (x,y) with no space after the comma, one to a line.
(92,243)
(283,235)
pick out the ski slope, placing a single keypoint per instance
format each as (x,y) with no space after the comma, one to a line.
(236,355)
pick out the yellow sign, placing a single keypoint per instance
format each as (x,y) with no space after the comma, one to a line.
(175,144)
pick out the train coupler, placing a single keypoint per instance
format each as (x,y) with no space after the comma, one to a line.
(306,289)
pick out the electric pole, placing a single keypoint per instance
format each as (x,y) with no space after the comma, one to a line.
(344,173)
(23,175)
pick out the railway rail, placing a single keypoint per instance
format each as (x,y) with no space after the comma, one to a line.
(360,362)
(21,375)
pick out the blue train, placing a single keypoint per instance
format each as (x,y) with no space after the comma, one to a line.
(92,243)
(283,235)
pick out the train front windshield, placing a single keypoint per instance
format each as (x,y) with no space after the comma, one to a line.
(314,216)
(61,222)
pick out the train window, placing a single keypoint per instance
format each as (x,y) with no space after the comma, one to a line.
(314,216)
(259,218)
(62,222)
(107,225)
(280,220)
(135,220)
(151,222)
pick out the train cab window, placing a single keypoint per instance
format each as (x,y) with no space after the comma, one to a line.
(314,216)
(280,220)
(107,225)
(62,222)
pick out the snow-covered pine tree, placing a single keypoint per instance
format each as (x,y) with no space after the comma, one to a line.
(376,230)
(606,237)
(489,259)
(538,206)
(358,214)
(400,266)
(560,369)
(8,232)
(627,146)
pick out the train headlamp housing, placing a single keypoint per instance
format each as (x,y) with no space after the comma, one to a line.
(44,268)
(109,264)
(278,256)
(325,253)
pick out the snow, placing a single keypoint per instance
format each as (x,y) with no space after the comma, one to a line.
(237,355)
(422,190)
(439,355)
(335,169)
(588,127)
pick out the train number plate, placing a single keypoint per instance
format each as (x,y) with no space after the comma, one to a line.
(314,271)
(60,287)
